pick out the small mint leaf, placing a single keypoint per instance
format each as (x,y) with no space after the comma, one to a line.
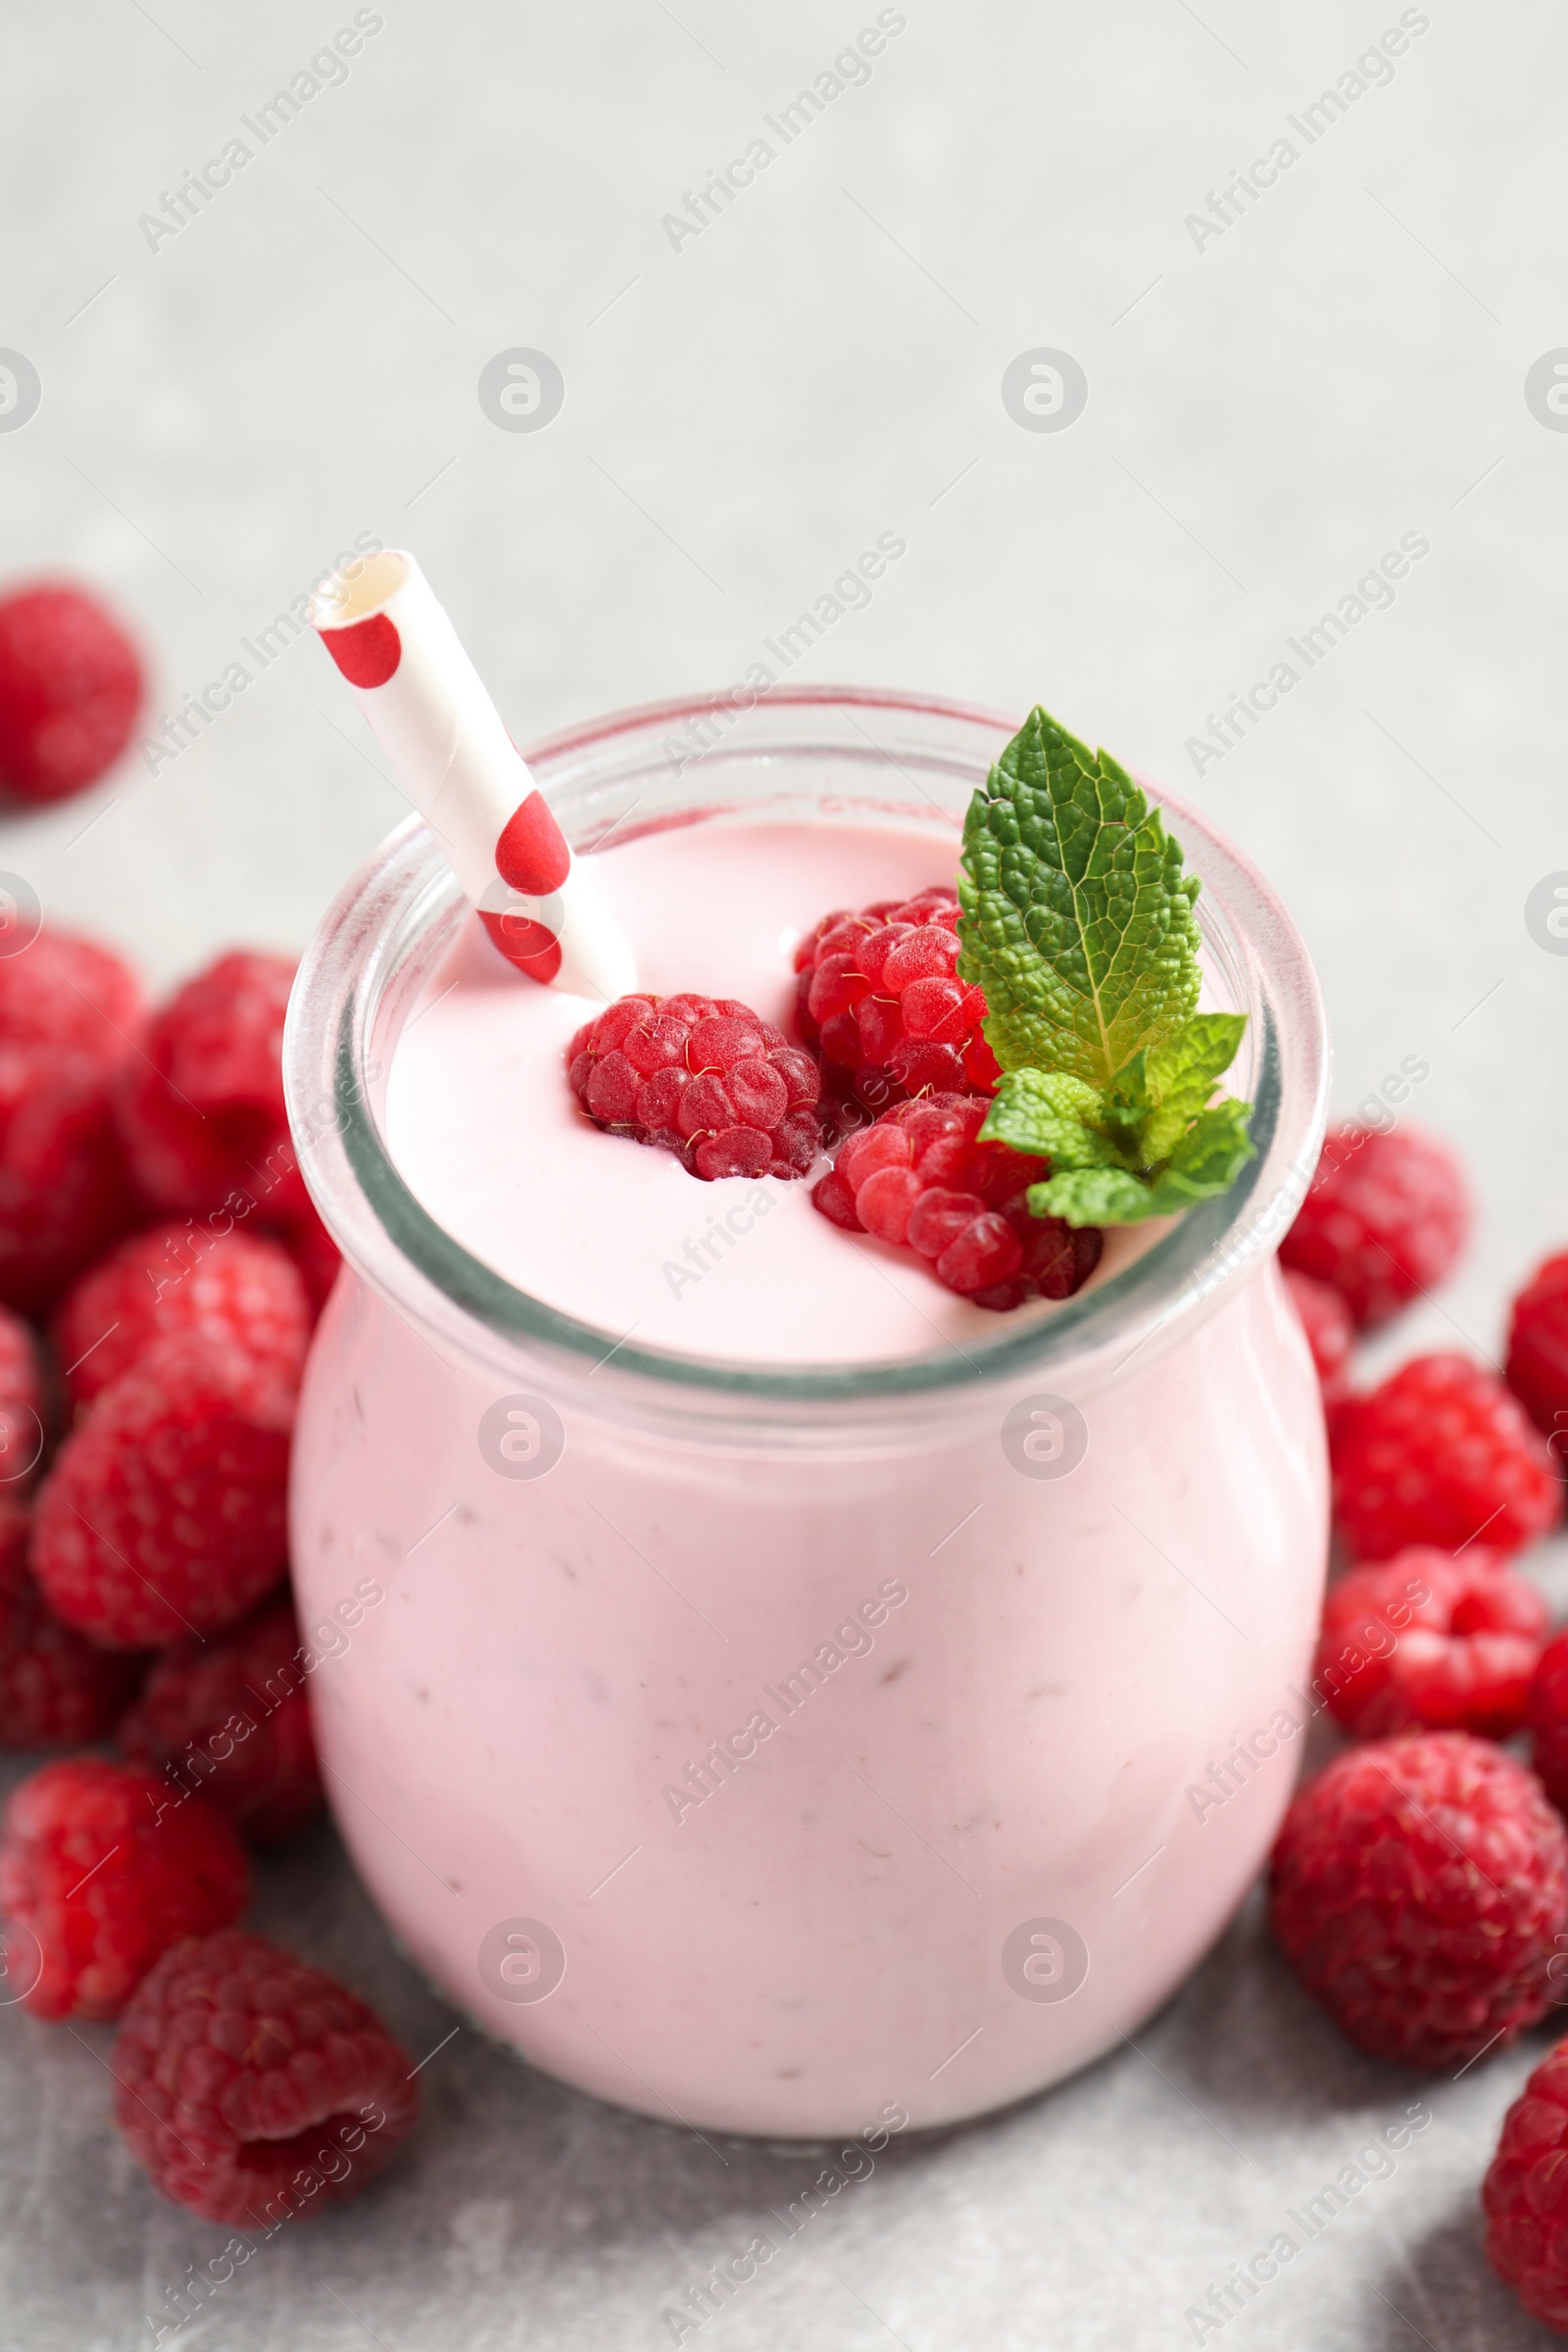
(1077,917)
(1207,1159)
(1052,1116)
(1180,1077)
(1093,1197)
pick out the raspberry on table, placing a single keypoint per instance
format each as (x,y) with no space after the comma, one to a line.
(702,1077)
(57,1688)
(70,686)
(230,1719)
(70,1019)
(1441,1454)
(1418,1889)
(1330,1331)
(1547,1712)
(879,998)
(918,1177)
(1522,2195)
(254,2089)
(105,1869)
(164,1511)
(66,995)
(1444,1644)
(177,1281)
(202,1109)
(22,1405)
(1537,1369)
(1385,1216)
(313,1251)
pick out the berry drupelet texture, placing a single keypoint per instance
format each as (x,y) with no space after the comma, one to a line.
(1385,1216)
(1419,1888)
(878,997)
(1441,1454)
(255,2089)
(702,1077)
(921,1178)
(105,1867)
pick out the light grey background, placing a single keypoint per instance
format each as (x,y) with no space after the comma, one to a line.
(1268,412)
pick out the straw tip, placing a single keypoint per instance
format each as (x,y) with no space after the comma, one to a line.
(360,588)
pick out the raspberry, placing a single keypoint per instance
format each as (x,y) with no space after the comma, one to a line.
(57,1688)
(1385,1218)
(69,1014)
(164,1513)
(202,1112)
(230,1719)
(1441,1454)
(313,1251)
(702,1077)
(918,1178)
(106,1871)
(1330,1331)
(177,1281)
(65,996)
(255,2088)
(1418,1888)
(22,1405)
(878,998)
(1524,2194)
(1546,1711)
(1428,1642)
(1537,1369)
(70,685)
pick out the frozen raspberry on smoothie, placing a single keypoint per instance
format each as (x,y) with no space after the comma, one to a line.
(105,1867)
(1441,1454)
(921,1178)
(1419,1891)
(182,1281)
(1426,1642)
(879,998)
(202,1109)
(1386,1217)
(255,2089)
(163,1512)
(70,685)
(704,1078)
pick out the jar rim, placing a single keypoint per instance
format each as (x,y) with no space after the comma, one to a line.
(355,985)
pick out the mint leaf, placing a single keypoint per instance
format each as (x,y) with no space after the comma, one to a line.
(1078,921)
(1179,1077)
(1093,1197)
(1055,1117)
(1207,1159)
(1209,1156)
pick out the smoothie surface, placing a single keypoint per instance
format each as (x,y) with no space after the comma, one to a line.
(487,1134)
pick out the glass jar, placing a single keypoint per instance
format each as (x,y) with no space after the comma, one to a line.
(773,1749)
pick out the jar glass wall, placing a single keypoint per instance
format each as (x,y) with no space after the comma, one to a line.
(766,1745)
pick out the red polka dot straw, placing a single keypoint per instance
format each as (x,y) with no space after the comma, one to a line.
(383,626)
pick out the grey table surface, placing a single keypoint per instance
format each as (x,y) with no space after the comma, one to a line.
(1272,403)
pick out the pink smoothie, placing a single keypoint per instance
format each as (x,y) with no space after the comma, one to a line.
(491,1139)
(851,1766)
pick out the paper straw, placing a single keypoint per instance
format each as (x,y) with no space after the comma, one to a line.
(427,706)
